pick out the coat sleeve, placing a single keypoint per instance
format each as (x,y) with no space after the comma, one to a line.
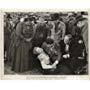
(44,46)
(58,52)
(45,66)
(63,30)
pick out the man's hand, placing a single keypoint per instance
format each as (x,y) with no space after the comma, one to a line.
(66,56)
(54,64)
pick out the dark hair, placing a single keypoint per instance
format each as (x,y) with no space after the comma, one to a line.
(61,19)
(80,19)
(55,16)
(8,16)
(84,13)
(49,41)
(26,19)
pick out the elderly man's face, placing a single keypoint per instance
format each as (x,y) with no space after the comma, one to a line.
(80,23)
(66,39)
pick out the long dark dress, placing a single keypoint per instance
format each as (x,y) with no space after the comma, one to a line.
(20,49)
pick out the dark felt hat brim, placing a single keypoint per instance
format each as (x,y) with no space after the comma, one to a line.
(81,19)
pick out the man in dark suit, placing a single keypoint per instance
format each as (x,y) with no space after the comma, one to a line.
(73,54)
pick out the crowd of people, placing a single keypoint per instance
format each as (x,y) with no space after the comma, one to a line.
(53,43)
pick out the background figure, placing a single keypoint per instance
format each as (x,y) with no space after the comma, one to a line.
(82,23)
(7,34)
(40,35)
(59,28)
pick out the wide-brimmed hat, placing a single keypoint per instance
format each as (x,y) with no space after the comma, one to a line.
(55,16)
(70,14)
(80,18)
(41,20)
